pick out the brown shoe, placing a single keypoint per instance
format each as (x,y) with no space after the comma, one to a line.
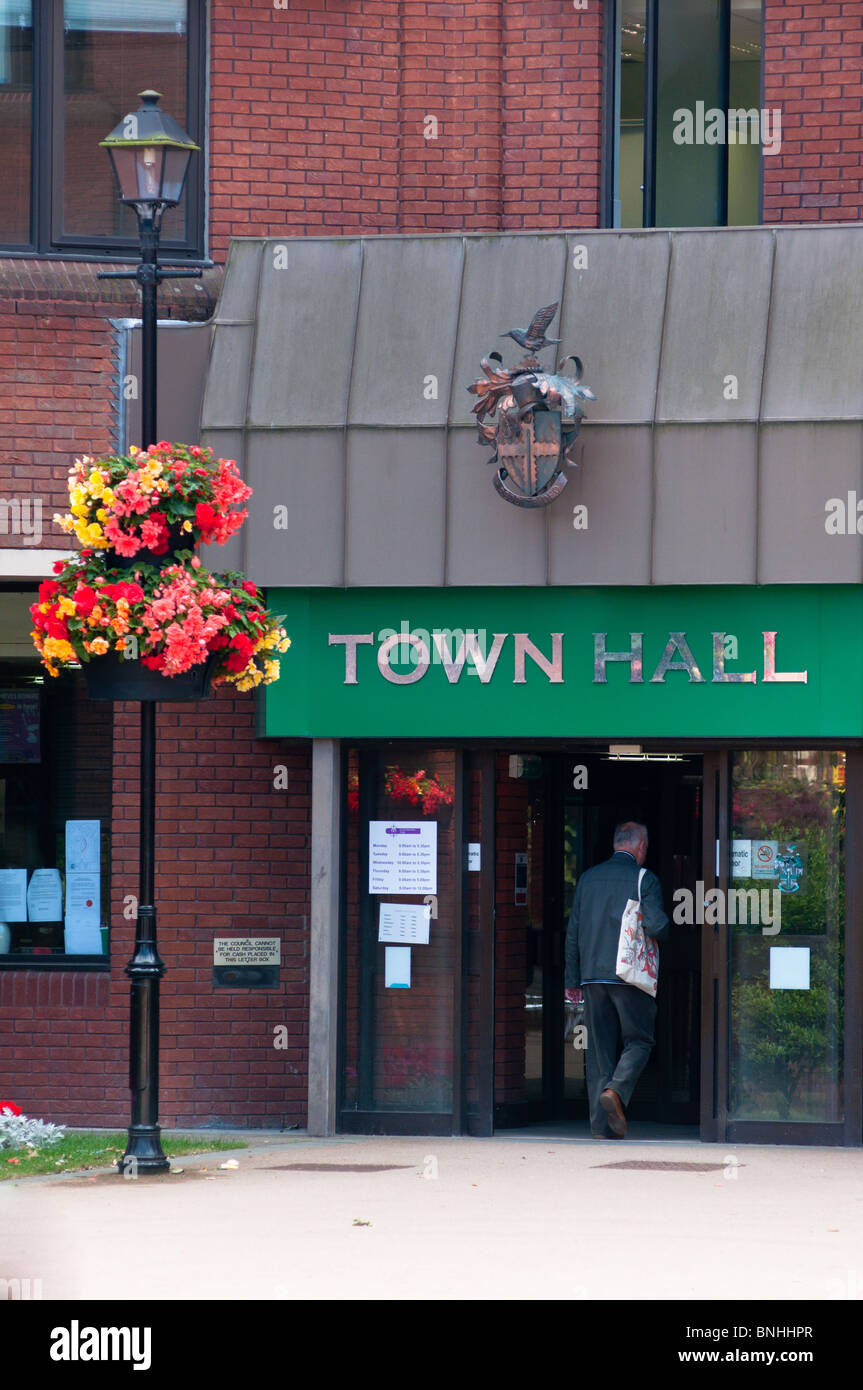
(610,1102)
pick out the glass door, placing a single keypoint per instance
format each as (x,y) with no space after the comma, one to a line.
(781,1017)
(786,941)
(401,940)
(417,955)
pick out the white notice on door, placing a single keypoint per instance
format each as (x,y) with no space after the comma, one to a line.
(741,858)
(402,856)
(397,967)
(404,923)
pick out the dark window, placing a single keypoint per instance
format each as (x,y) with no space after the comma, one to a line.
(687,129)
(55,780)
(69,71)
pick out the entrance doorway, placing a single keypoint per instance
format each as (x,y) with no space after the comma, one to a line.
(759,1027)
(571,802)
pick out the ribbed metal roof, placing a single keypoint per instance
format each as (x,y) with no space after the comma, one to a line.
(338,378)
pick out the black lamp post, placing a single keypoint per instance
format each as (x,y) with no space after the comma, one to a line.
(150,155)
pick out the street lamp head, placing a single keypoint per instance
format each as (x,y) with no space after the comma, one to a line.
(149,153)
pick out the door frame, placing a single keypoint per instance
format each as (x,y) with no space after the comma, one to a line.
(716,1126)
(477,950)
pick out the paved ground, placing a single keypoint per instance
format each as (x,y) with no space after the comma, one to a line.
(529,1217)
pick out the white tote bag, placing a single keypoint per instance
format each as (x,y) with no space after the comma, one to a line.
(637,953)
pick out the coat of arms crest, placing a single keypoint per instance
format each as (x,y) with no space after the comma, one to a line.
(538,415)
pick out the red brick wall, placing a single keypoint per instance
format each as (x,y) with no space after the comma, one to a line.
(56,386)
(318,117)
(813,72)
(232,857)
(552,101)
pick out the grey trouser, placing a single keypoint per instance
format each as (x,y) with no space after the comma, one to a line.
(606,1006)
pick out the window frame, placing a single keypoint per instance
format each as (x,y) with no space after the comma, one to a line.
(47,239)
(609,204)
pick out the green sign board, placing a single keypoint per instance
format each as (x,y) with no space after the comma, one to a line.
(729,662)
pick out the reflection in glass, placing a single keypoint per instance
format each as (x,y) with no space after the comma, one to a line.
(399,1053)
(633,38)
(111,52)
(787,848)
(708,63)
(16,115)
(744,94)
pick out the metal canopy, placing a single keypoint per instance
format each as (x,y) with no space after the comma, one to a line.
(728,370)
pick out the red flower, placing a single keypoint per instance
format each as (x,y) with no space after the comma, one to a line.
(241,654)
(85,600)
(47,589)
(153,663)
(250,588)
(133,593)
(205,517)
(9,1105)
(58,566)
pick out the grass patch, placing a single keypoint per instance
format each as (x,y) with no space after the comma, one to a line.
(98,1149)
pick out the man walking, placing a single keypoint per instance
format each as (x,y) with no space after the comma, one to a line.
(591,959)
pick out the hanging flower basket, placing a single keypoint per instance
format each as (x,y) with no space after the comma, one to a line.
(176,541)
(137,608)
(112,677)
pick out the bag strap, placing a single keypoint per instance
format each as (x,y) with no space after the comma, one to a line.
(641,873)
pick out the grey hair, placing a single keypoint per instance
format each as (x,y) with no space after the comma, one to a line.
(629,832)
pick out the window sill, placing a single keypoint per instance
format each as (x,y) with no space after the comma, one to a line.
(28,960)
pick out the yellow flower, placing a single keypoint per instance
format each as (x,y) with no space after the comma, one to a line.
(133,450)
(95,484)
(101,514)
(94,533)
(67,607)
(187,526)
(108,497)
(271,671)
(60,649)
(99,646)
(77,496)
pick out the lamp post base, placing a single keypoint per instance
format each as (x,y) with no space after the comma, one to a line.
(143,1152)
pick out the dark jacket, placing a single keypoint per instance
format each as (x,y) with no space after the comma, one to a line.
(594,922)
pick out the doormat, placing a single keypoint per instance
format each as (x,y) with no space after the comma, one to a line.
(659,1165)
(336,1167)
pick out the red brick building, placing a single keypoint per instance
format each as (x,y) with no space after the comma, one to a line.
(328,119)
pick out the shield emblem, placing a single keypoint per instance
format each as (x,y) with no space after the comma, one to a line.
(531,460)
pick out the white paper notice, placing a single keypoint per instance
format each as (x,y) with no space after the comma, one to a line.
(397,967)
(764,858)
(473,859)
(82,846)
(83,899)
(789,967)
(407,923)
(82,939)
(402,856)
(741,858)
(13,895)
(45,896)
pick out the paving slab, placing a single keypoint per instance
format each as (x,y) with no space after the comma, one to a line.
(526,1217)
